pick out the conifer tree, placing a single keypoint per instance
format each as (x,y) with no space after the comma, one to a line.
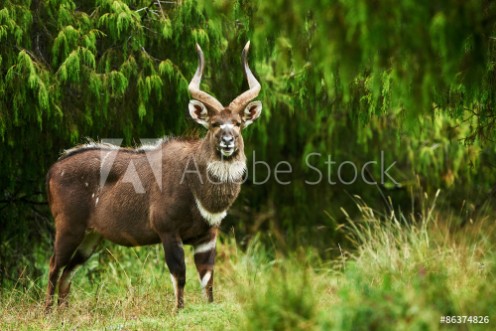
(347,78)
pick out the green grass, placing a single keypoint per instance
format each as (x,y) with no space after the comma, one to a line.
(404,274)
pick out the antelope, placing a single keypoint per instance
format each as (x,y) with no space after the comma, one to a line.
(175,192)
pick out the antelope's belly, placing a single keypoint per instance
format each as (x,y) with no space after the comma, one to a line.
(123,222)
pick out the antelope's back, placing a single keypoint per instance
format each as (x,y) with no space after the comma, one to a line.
(115,191)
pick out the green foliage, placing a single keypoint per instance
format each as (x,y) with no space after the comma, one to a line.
(382,58)
(413,81)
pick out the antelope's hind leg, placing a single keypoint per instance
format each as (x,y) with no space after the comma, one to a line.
(66,243)
(82,254)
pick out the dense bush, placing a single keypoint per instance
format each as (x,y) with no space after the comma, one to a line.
(351,79)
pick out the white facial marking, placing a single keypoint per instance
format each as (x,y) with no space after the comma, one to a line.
(174,284)
(227,171)
(213,219)
(206,278)
(228,126)
(206,247)
(226,152)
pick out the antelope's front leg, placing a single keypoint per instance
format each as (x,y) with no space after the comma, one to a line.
(174,257)
(204,261)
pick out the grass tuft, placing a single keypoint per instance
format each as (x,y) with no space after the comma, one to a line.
(404,273)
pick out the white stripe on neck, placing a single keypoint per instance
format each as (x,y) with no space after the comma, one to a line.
(213,219)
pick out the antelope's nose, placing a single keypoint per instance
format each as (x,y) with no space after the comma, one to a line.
(227,139)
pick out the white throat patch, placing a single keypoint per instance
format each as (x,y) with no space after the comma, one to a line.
(213,219)
(224,171)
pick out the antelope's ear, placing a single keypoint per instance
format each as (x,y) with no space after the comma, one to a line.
(251,112)
(199,112)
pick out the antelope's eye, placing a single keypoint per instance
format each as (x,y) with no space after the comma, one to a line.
(238,124)
(215,124)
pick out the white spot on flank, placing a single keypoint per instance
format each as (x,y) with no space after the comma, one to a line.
(62,173)
(174,284)
(96,202)
(213,219)
(205,279)
(86,184)
(93,195)
(205,247)
(226,171)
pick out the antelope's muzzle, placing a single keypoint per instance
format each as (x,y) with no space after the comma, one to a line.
(227,145)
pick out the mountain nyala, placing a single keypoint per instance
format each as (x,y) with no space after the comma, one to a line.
(175,192)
